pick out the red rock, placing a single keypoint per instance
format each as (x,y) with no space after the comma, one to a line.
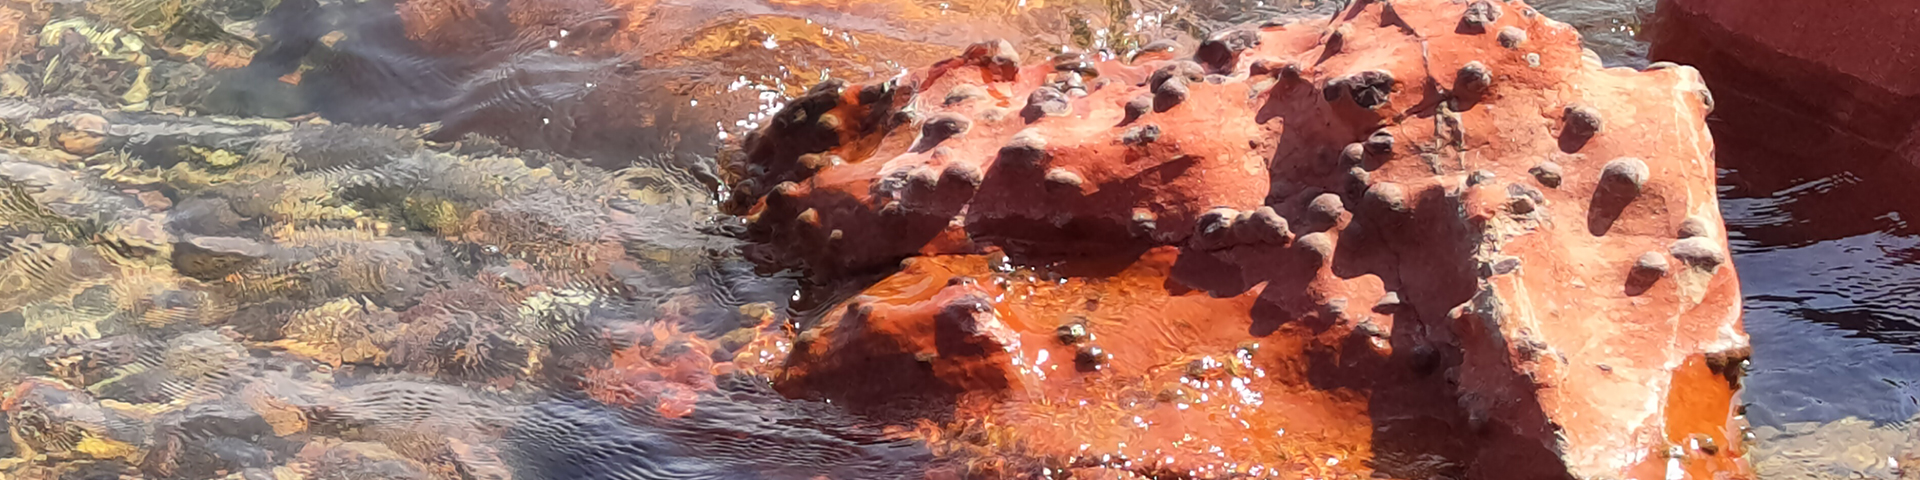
(1830,78)
(1807,90)
(1435,309)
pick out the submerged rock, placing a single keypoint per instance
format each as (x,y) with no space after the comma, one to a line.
(1519,340)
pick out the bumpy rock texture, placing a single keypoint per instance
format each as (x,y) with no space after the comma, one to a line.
(1421,238)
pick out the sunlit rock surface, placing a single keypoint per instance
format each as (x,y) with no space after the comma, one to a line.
(1415,239)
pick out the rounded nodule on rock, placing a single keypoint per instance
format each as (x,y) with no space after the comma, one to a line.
(785,196)
(1214,229)
(1090,358)
(1371,88)
(1478,177)
(1071,334)
(1624,175)
(998,56)
(1380,142)
(1063,180)
(1143,223)
(962,173)
(809,217)
(922,178)
(1333,88)
(893,208)
(1028,148)
(874,93)
(1650,266)
(1262,226)
(1221,52)
(1183,69)
(1582,121)
(1046,101)
(1698,252)
(1520,204)
(1479,16)
(1695,226)
(1512,37)
(1388,195)
(1316,244)
(1353,154)
(1547,173)
(1171,92)
(1139,106)
(1140,135)
(811,162)
(944,126)
(1475,77)
(1290,72)
(1327,208)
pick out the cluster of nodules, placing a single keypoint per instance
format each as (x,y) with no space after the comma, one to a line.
(1087,357)
(1054,98)
(1622,181)
(1223,227)
(1167,87)
(1695,248)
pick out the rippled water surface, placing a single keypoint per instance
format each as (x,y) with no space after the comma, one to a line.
(437,240)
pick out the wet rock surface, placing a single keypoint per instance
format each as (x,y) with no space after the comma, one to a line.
(1506,227)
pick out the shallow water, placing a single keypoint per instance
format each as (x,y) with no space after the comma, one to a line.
(1828,264)
(1826,258)
(1609,27)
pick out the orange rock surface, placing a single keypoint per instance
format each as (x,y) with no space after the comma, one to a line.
(1424,238)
